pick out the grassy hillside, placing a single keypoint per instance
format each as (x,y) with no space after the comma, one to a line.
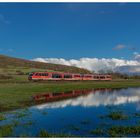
(10,64)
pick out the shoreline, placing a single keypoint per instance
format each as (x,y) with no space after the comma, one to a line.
(19,95)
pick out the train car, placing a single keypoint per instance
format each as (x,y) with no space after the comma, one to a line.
(36,76)
(104,77)
(57,76)
(77,77)
(86,77)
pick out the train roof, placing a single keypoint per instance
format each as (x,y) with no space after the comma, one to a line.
(96,74)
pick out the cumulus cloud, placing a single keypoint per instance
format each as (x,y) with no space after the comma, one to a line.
(119,47)
(136,56)
(98,65)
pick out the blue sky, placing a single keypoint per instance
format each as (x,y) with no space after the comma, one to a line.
(70,30)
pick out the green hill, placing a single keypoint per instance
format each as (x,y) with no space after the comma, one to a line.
(9,64)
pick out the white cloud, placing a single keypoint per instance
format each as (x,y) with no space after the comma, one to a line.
(119,47)
(135,53)
(136,56)
(97,65)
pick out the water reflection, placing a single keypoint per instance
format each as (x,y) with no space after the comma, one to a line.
(47,97)
(98,98)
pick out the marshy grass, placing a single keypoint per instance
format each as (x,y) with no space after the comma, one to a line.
(21,114)
(24,135)
(115,115)
(97,131)
(29,123)
(6,130)
(16,123)
(119,131)
(43,133)
(2,117)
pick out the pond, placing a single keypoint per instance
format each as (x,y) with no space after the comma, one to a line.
(85,113)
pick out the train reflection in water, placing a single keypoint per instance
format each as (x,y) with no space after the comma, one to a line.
(48,97)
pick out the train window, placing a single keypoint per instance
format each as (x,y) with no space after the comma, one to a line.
(96,77)
(44,74)
(56,76)
(88,76)
(108,77)
(37,74)
(40,74)
(102,77)
(67,76)
(77,75)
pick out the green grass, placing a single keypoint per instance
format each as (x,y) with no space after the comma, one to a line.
(16,123)
(19,95)
(21,115)
(97,131)
(43,133)
(2,117)
(117,116)
(6,130)
(119,131)
(29,123)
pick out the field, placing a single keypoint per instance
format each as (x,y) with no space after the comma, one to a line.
(18,91)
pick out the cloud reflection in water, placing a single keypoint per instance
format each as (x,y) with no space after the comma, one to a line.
(98,98)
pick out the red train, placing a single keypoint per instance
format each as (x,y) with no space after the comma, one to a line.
(57,76)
